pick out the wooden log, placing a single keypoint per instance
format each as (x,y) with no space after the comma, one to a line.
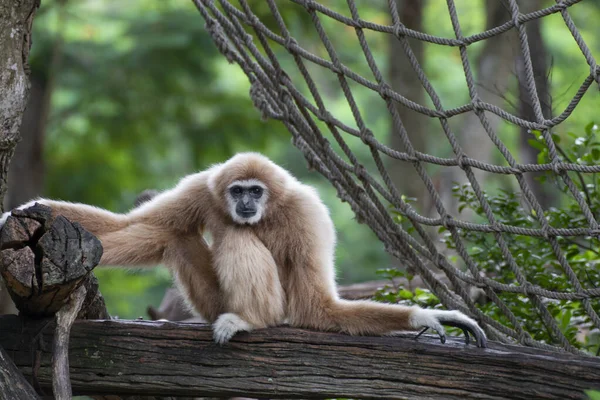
(12,382)
(178,359)
(44,259)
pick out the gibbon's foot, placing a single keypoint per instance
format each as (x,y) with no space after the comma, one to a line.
(435,319)
(228,325)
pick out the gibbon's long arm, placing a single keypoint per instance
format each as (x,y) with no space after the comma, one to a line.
(126,241)
(141,236)
(314,302)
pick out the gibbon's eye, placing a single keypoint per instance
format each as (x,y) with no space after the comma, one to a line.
(256,191)
(236,190)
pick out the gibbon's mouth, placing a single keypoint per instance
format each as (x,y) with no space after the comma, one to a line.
(246,214)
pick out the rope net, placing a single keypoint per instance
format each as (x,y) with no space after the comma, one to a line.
(322,137)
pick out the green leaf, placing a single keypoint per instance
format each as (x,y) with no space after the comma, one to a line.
(593,394)
(536,145)
(405,294)
(595,153)
(556,138)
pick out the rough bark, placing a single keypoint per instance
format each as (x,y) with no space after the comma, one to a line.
(12,382)
(26,174)
(43,260)
(16,18)
(64,318)
(166,358)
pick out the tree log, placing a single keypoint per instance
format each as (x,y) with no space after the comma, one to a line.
(43,260)
(177,359)
(12,383)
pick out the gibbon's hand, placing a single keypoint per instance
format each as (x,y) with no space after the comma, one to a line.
(435,319)
(227,325)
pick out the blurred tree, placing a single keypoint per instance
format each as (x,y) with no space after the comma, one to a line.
(540,61)
(494,68)
(405,81)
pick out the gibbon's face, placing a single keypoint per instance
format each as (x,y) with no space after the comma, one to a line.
(247,200)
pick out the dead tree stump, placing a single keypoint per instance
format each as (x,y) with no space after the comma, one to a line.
(44,259)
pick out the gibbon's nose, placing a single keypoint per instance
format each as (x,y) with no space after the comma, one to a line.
(245,209)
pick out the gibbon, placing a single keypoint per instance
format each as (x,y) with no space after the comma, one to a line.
(271,260)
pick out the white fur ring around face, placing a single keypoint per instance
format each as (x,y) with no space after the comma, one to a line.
(228,325)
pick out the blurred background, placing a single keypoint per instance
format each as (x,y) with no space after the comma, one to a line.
(132,95)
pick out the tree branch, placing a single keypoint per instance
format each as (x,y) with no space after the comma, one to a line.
(177,359)
(64,318)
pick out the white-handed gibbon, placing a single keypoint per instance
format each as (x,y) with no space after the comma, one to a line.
(271,260)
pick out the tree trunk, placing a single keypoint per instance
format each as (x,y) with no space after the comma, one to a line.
(540,61)
(404,80)
(494,69)
(16,18)
(177,359)
(26,174)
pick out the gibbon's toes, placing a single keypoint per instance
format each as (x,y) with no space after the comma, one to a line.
(436,318)
(476,331)
(226,326)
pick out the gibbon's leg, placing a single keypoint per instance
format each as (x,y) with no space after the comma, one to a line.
(190,260)
(314,306)
(369,317)
(250,284)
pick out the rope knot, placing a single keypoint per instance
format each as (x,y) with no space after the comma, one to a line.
(365,135)
(595,72)
(260,100)
(461,160)
(384,90)
(557,168)
(447,221)
(290,43)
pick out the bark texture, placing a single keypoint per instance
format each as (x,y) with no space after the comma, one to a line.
(12,383)
(16,18)
(43,260)
(177,359)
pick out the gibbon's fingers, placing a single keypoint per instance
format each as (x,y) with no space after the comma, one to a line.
(435,319)
(227,325)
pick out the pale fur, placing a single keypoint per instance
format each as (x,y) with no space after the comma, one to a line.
(279,268)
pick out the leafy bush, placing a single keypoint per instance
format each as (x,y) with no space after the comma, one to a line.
(534,255)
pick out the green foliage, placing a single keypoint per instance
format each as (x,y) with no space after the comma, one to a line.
(593,394)
(534,255)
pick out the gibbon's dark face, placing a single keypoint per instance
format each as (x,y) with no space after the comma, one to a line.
(247,200)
